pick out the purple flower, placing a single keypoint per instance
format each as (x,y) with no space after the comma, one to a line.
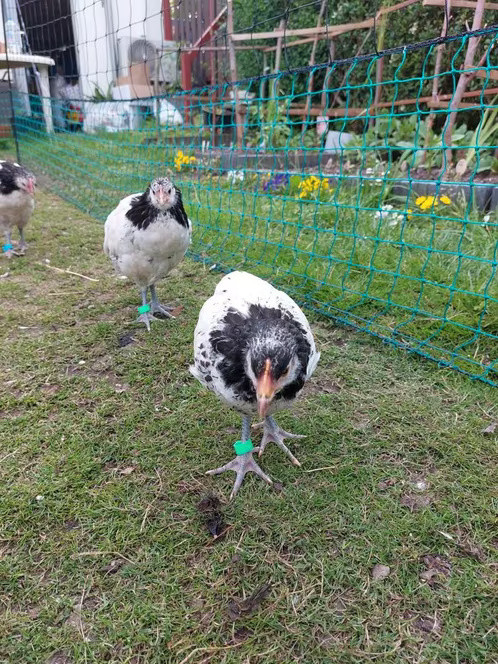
(276,182)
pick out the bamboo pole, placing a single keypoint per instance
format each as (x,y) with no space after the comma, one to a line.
(379,66)
(435,81)
(311,63)
(464,78)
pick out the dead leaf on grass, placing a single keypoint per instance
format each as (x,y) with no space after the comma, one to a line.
(491,428)
(437,569)
(176,310)
(71,524)
(238,608)
(91,602)
(466,546)
(75,621)
(242,634)
(125,340)
(127,471)
(380,572)
(415,502)
(210,508)
(385,484)
(59,657)
(113,566)
(427,625)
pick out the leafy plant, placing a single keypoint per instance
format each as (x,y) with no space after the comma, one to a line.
(272,129)
(99,95)
(482,135)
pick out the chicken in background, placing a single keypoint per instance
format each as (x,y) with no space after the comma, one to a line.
(17,202)
(146,236)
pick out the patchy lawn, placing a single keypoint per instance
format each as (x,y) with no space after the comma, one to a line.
(380,548)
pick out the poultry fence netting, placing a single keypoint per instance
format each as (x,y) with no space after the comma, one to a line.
(378,211)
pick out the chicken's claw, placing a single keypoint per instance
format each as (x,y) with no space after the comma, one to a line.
(242,464)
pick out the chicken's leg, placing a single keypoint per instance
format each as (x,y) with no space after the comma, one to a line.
(8,249)
(273,433)
(22,244)
(243,462)
(158,308)
(144,311)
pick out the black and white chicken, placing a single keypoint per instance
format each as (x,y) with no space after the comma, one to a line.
(17,202)
(253,347)
(146,236)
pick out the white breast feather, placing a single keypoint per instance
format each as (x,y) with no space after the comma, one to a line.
(15,209)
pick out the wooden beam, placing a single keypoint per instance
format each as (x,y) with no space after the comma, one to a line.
(333,30)
(297,109)
(323,32)
(459,4)
(167,25)
(488,73)
(442,104)
(190,49)
(210,29)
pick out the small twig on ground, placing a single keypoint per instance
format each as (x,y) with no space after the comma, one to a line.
(316,470)
(59,269)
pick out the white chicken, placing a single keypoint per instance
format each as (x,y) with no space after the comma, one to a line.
(146,236)
(253,347)
(17,202)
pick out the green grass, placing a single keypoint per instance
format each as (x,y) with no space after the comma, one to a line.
(115,564)
(427,283)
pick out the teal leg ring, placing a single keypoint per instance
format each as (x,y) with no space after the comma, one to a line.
(243,447)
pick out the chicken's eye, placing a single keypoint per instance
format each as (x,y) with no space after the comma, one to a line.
(285,372)
(169,191)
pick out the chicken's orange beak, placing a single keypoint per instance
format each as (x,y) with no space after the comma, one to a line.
(265,390)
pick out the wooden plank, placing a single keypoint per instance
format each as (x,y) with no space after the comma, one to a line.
(460,4)
(395,8)
(189,49)
(210,29)
(491,73)
(333,31)
(297,109)
(442,104)
(324,32)
(331,113)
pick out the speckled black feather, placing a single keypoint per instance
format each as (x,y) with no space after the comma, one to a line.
(142,213)
(178,211)
(234,338)
(8,176)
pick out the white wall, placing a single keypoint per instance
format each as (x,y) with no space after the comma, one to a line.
(92,45)
(98,24)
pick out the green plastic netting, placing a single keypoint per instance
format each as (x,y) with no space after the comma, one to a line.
(360,217)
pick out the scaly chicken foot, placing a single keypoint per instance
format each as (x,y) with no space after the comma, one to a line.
(243,462)
(273,433)
(156,307)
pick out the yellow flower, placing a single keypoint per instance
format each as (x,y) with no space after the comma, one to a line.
(409,213)
(428,202)
(444,199)
(420,200)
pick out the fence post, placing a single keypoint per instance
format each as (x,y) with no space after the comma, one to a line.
(9,70)
(233,74)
